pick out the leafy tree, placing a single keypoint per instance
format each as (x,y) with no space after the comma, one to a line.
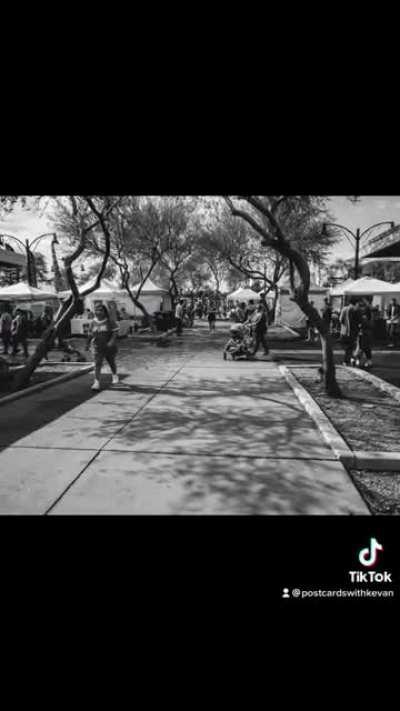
(289,225)
(83,214)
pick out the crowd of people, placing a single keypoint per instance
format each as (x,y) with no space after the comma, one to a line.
(19,325)
(354,326)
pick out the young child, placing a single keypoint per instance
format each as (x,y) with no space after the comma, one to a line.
(362,356)
(103,335)
(236,345)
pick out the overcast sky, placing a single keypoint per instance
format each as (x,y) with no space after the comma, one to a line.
(369,210)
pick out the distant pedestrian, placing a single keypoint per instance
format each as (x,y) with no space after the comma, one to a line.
(5,330)
(179,317)
(326,314)
(250,310)
(311,335)
(260,325)
(19,332)
(362,356)
(212,317)
(393,322)
(349,326)
(103,337)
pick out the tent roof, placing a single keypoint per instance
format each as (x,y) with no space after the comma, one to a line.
(149,288)
(338,290)
(24,292)
(106,287)
(369,285)
(245,294)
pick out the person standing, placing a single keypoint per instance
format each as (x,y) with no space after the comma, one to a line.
(260,324)
(212,316)
(326,314)
(103,336)
(250,311)
(179,317)
(310,336)
(19,332)
(393,322)
(349,325)
(5,330)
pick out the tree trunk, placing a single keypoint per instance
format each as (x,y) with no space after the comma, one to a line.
(328,367)
(66,312)
(274,304)
(328,364)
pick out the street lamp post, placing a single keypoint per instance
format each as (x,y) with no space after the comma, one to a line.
(30,257)
(357,236)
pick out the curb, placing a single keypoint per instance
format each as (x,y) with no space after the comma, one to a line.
(378,382)
(353,459)
(339,447)
(45,385)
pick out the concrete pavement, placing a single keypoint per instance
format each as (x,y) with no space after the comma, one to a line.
(184,433)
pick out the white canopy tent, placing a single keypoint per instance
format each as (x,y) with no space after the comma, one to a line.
(379,292)
(153,297)
(106,289)
(242,294)
(368,286)
(24,292)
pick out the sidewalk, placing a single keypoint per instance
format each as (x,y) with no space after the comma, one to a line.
(196,435)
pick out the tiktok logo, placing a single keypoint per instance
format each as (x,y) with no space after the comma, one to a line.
(368,556)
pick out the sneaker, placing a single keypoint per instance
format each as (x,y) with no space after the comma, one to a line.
(96,385)
(115,379)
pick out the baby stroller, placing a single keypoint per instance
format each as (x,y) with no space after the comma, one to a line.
(241,344)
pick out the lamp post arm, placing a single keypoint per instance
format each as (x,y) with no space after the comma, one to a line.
(37,239)
(342,227)
(378,224)
(15,239)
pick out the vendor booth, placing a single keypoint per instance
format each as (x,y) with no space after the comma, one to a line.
(28,297)
(154,299)
(108,294)
(378,292)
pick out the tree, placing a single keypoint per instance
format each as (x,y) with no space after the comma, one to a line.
(276,220)
(83,214)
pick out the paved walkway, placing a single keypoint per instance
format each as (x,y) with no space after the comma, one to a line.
(191,434)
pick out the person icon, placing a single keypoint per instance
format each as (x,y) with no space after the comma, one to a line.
(285,593)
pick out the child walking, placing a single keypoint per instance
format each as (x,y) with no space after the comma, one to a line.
(103,336)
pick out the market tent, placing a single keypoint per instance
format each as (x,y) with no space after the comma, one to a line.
(339,289)
(106,289)
(368,286)
(243,295)
(149,288)
(24,292)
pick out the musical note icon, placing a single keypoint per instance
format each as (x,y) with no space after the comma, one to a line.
(368,556)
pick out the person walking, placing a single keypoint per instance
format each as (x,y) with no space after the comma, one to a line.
(393,322)
(362,357)
(179,317)
(19,333)
(260,324)
(5,330)
(349,324)
(103,337)
(212,317)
